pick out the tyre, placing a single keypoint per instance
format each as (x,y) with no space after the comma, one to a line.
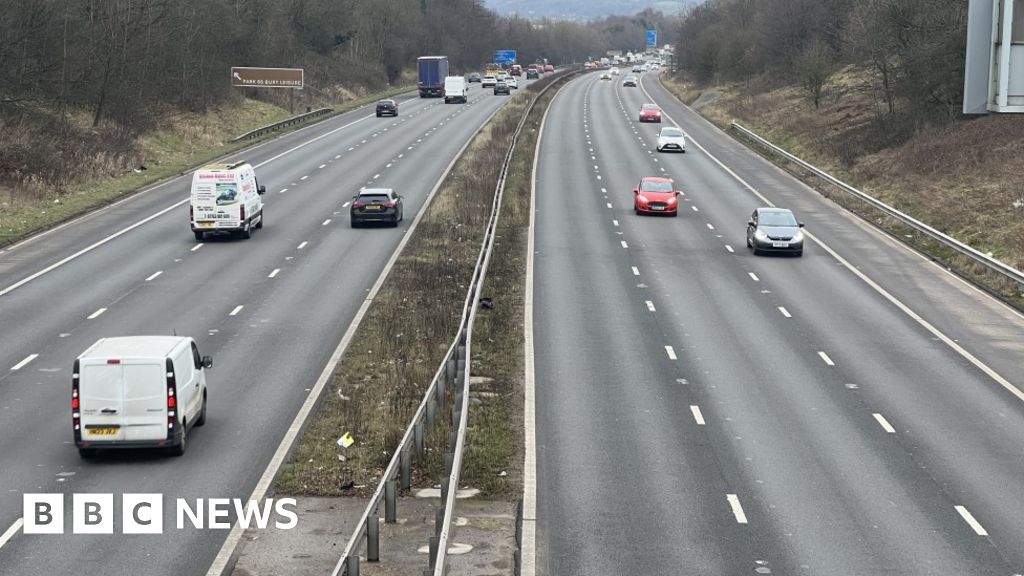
(259,225)
(757,252)
(246,232)
(378,114)
(675,214)
(179,450)
(798,254)
(394,222)
(199,235)
(87,453)
(202,413)
(355,223)
(749,245)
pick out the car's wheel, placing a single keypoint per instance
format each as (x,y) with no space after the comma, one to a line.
(179,449)
(259,225)
(246,232)
(87,453)
(798,254)
(199,235)
(355,223)
(749,245)
(378,114)
(675,214)
(756,251)
(202,413)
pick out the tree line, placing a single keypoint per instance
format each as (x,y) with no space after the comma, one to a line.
(912,50)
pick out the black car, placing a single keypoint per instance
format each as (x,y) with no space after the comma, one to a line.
(475,77)
(775,230)
(532,73)
(376,205)
(389,107)
(501,88)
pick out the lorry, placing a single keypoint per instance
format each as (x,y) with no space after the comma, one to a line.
(432,72)
(455,89)
(225,198)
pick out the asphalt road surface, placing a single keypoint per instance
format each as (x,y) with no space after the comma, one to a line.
(270,310)
(704,411)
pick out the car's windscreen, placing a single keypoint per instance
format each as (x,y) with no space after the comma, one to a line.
(671,132)
(648,107)
(368,198)
(776,219)
(656,186)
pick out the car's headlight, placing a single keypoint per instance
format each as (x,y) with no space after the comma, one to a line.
(642,198)
(798,237)
(760,235)
(673,200)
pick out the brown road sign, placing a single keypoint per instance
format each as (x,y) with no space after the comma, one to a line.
(267,77)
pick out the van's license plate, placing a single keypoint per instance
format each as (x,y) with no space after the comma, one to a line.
(206,224)
(102,431)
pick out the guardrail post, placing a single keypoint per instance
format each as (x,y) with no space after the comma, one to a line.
(453,439)
(390,503)
(417,436)
(431,410)
(373,539)
(444,489)
(449,461)
(440,390)
(438,521)
(405,469)
(353,565)
(434,543)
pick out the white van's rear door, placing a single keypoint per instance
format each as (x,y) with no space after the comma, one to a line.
(101,393)
(145,402)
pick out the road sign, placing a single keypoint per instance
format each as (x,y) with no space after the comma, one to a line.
(504,56)
(652,38)
(267,77)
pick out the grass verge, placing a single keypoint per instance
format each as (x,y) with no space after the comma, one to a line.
(190,140)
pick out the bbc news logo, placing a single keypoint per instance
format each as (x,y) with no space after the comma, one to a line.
(144,513)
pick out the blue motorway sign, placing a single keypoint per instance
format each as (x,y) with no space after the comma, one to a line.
(652,38)
(504,56)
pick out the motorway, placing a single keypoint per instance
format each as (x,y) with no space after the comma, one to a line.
(270,310)
(700,410)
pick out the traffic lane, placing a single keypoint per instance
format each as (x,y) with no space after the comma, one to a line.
(24,259)
(622,477)
(331,255)
(658,246)
(984,326)
(952,417)
(342,170)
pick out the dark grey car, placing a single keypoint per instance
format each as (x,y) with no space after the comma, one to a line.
(775,230)
(376,205)
(501,88)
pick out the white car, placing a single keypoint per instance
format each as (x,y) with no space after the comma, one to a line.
(671,138)
(488,81)
(615,71)
(512,83)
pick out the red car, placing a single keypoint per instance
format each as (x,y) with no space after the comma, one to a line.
(549,68)
(656,195)
(650,113)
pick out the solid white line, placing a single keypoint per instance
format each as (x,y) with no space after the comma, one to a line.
(10,532)
(884,423)
(826,359)
(753,277)
(710,226)
(196,247)
(624,245)
(615,222)
(697,415)
(154,275)
(969,518)
(275,272)
(96,314)
(650,306)
(785,312)
(236,310)
(636,271)
(304,177)
(671,353)
(301,246)
(737,509)
(24,362)
(326,222)
(729,248)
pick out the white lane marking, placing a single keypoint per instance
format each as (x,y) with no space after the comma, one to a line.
(636,271)
(697,414)
(609,204)
(737,509)
(275,272)
(729,248)
(196,247)
(96,314)
(10,532)
(337,156)
(604,190)
(711,226)
(884,423)
(301,246)
(236,310)
(351,148)
(154,275)
(304,177)
(785,312)
(322,166)
(388,165)
(326,222)
(400,155)
(24,362)
(345,205)
(650,306)
(375,176)
(624,245)
(363,142)
(283,190)
(615,222)
(695,209)
(753,277)
(826,359)
(598,176)
(671,352)
(969,518)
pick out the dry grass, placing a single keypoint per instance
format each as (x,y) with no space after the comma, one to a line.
(962,178)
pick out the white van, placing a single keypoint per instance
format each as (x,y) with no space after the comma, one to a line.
(455,88)
(226,199)
(138,392)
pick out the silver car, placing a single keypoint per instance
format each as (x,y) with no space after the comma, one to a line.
(775,230)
